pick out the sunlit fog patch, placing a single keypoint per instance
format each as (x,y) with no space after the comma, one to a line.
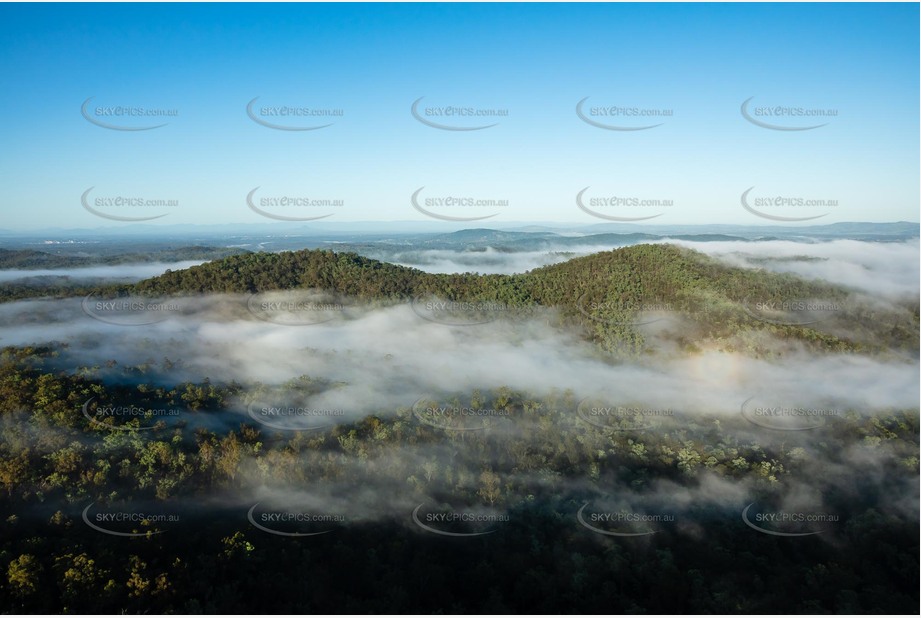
(383,359)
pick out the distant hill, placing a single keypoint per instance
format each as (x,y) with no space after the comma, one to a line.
(31,259)
(853,230)
(511,242)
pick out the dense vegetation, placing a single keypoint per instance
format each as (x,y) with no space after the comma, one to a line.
(191,460)
(607,293)
(540,464)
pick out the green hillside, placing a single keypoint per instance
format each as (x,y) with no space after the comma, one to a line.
(693,299)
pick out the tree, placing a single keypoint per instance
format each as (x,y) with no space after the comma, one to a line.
(229,455)
(489,486)
(23,575)
(81,582)
(13,471)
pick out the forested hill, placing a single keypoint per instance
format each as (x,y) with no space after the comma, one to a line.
(345,273)
(605,291)
(638,273)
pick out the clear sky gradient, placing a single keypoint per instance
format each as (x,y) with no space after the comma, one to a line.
(372,61)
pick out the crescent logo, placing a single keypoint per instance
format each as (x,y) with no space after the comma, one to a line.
(414,201)
(748,417)
(773,127)
(607,532)
(415,302)
(249,516)
(86,205)
(772,532)
(581,308)
(587,210)
(87,309)
(583,415)
(251,410)
(90,418)
(255,209)
(758,213)
(608,127)
(746,306)
(87,521)
(419,523)
(252,305)
(278,127)
(112,127)
(422,419)
(444,127)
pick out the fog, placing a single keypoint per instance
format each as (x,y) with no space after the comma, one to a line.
(887,269)
(118,272)
(490,261)
(382,360)
(890,270)
(390,357)
(375,489)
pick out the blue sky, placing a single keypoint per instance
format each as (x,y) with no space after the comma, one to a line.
(537,61)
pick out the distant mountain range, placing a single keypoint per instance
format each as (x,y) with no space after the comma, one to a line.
(377,230)
(30,259)
(144,243)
